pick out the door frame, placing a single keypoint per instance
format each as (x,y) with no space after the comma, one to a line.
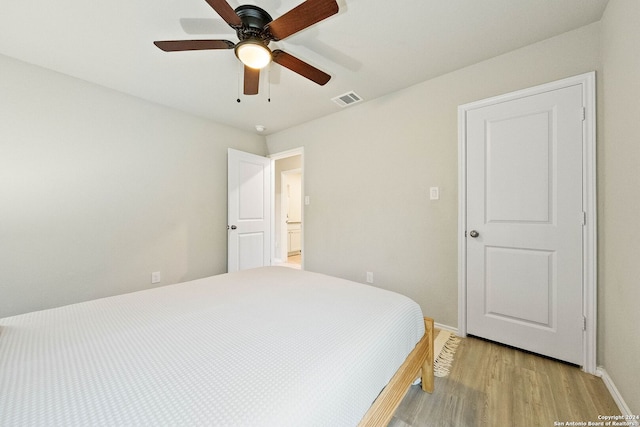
(278,156)
(589,241)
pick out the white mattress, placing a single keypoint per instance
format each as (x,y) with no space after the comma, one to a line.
(266,347)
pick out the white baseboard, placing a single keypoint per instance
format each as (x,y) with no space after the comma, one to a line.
(445,327)
(617,397)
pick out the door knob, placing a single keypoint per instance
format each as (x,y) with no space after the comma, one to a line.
(474,233)
(233,227)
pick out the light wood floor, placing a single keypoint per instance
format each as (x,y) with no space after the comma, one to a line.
(294,259)
(491,385)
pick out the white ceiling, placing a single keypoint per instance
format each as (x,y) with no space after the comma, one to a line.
(372,47)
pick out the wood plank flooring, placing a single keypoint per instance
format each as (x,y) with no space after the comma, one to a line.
(294,259)
(494,385)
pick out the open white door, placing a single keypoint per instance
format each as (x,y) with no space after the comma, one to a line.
(249,211)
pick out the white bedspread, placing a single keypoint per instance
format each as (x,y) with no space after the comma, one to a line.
(266,347)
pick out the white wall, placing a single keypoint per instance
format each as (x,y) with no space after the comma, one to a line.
(619,193)
(98,189)
(369,167)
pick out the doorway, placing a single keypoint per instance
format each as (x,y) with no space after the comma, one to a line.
(288,208)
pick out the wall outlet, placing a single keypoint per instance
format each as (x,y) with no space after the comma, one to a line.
(434,193)
(155,277)
(369,277)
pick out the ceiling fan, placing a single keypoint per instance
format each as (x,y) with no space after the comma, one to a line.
(255,30)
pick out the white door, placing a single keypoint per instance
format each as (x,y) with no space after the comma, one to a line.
(249,211)
(524,223)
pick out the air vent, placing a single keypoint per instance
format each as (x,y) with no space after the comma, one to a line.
(346,99)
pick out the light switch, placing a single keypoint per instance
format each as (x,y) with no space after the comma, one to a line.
(307,201)
(434,193)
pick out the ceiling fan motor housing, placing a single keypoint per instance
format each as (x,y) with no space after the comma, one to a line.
(254,20)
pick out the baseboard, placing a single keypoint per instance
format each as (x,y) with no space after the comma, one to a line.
(445,327)
(617,397)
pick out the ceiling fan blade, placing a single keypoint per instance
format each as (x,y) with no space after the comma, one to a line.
(302,16)
(179,45)
(251,80)
(226,12)
(298,66)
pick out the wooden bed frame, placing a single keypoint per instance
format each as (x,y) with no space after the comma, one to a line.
(418,363)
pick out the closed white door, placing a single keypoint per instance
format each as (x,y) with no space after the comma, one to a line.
(525,223)
(249,211)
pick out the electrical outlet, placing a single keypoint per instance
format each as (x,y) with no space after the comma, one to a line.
(434,193)
(155,277)
(369,277)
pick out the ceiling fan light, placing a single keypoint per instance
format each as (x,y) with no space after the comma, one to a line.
(253,53)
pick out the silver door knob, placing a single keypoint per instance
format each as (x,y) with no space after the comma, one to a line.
(474,233)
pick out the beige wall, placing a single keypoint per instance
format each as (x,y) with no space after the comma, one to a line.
(99,189)
(368,170)
(619,194)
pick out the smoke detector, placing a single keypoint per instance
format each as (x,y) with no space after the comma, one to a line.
(347,99)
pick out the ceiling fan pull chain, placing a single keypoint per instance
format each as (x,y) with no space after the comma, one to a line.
(238,85)
(269,83)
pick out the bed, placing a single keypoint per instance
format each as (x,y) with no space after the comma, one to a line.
(271,346)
